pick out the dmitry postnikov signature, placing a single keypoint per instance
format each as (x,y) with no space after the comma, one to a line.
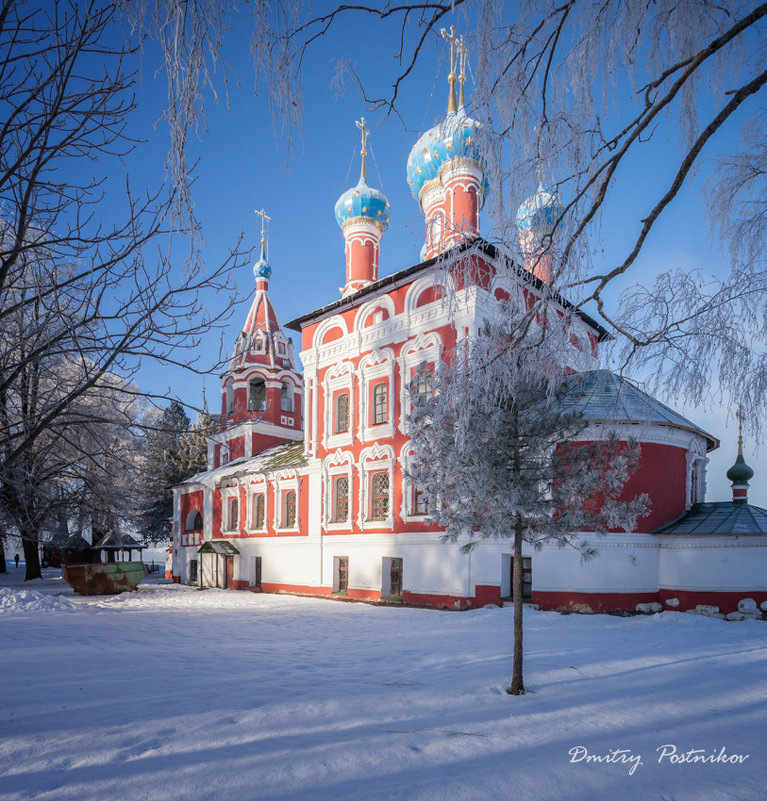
(667,753)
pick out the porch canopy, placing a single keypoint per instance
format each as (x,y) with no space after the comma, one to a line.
(217,546)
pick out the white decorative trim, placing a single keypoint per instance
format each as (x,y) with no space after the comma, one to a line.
(415,290)
(325,327)
(370,306)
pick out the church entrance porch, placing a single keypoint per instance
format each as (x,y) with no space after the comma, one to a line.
(217,564)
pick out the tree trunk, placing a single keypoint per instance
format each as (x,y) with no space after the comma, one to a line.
(517,682)
(3,568)
(31,556)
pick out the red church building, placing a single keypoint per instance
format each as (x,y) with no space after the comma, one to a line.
(307,488)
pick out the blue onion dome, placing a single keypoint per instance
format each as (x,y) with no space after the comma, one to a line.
(454,137)
(363,201)
(542,210)
(261,268)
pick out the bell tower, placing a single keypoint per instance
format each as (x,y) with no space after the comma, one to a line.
(261,390)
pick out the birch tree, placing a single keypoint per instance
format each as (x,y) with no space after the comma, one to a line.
(500,451)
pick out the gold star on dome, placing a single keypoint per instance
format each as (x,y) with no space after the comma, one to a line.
(436,154)
(356,193)
(418,170)
(364,209)
(468,140)
(426,151)
(448,145)
(379,212)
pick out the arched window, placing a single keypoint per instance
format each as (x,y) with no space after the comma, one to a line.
(229,398)
(194,520)
(380,404)
(379,496)
(233,514)
(289,510)
(342,413)
(257,395)
(286,397)
(341,499)
(258,511)
(424,381)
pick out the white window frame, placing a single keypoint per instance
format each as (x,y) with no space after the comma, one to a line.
(407,502)
(338,378)
(228,494)
(376,366)
(375,459)
(284,482)
(339,465)
(422,349)
(257,488)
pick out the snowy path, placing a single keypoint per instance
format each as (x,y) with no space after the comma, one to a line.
(171,693)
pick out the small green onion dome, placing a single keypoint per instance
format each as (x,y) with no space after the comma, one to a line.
(740,472)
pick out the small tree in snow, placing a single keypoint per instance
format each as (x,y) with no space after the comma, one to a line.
(500,452)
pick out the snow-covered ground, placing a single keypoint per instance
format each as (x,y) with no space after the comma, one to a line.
(174,693)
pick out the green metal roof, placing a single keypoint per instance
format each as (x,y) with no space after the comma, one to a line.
(722,517)
(217,546)
(603,397)
(284,455)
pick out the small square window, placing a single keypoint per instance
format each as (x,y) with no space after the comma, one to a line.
(343,574)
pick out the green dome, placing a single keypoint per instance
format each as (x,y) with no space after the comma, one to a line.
(740,472)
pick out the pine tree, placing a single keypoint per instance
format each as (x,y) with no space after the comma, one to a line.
(193,453)
(499,453)
(162,470)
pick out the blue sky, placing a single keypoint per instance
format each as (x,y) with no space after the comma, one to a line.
(243,167)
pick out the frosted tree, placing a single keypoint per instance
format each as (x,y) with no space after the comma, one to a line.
(501,450)
(102,296)
(80,468)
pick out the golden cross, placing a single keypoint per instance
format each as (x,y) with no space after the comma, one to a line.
(364,131)
(451,38)
(739,415)
(264,218)
(462,53)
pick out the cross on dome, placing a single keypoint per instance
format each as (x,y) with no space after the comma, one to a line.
(363,152)
(261,269)
(455,43)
